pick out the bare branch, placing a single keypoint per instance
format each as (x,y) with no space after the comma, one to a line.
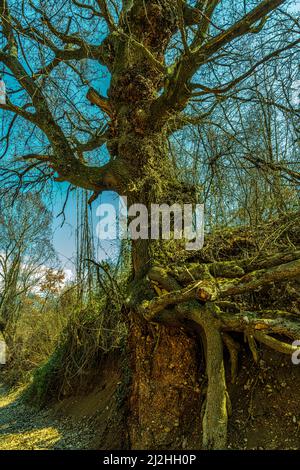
(177,92)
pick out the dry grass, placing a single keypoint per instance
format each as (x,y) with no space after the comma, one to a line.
(32,338)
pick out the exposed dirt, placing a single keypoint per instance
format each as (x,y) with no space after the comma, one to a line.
(90,421)
(166,397)
(24,428)
(265,402)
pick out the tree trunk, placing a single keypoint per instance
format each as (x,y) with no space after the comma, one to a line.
(165,394)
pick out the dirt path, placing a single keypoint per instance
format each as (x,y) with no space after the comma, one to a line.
(25,428)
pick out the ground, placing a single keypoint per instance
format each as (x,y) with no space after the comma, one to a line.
(265,402)
(24,428)
(89,421)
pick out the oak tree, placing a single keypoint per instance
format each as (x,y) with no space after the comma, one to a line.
(158,61)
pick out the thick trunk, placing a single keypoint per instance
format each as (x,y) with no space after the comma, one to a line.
(165,395)
(141,257)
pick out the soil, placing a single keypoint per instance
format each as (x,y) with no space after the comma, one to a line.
(265,403)
(89,421)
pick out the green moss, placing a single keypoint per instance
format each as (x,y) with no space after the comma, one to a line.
(45,379)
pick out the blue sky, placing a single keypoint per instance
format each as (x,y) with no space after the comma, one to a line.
(64,237)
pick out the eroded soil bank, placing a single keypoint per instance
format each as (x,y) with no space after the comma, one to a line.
(265,402)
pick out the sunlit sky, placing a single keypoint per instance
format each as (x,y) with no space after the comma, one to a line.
(64,238)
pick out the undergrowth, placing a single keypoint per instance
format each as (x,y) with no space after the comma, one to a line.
(90,334)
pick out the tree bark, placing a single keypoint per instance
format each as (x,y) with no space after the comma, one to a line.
(165,394)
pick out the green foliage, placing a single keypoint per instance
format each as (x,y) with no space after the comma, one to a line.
(33,337)
(90,334)
(45,379)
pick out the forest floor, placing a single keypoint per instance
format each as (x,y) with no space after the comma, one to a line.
(25,428)
(265,402)
(88,421)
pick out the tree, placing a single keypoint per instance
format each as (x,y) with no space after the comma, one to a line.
(159,55)
(53,281)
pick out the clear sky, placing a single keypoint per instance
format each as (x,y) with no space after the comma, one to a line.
(64,236)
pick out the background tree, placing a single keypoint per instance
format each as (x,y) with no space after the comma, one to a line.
(25,249)
(131,75)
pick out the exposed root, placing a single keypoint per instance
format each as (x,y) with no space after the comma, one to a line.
(215,418)
(252,346)
(233,349)
(275,344)
(216,415)
(204,293)
(210,289)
